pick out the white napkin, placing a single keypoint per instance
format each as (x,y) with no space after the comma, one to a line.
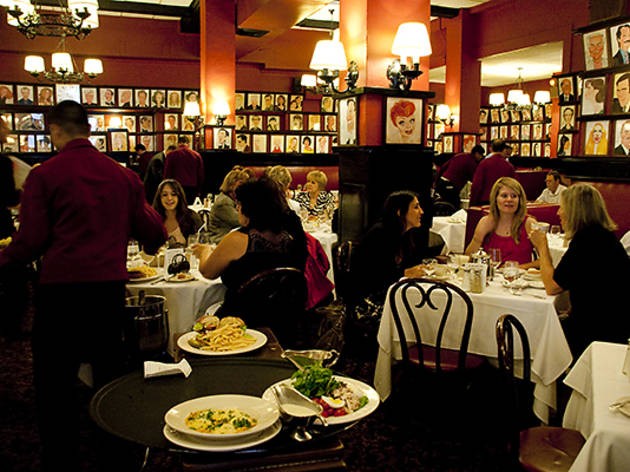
(458,217)
(158,369)
(197,202)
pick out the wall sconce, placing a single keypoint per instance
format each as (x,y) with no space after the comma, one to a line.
(220,110)
(410,43)
(192,113)
(443,113)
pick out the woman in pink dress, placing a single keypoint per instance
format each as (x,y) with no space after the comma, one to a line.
(507,225)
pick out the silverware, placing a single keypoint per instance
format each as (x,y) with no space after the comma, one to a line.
(161,279)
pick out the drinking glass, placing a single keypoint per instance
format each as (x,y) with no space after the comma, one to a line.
(192,239)
(556,232)
(510,271)
(495,260)
(429,266)
(134,259)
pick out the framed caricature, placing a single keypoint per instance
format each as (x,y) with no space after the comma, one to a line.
(129,123)
(327,105)
(8,119)
(566,90)
(537,131)
(267,102)
(505,116)
(281,102)
(169,139)
(97,122)
(296,122)
(158,98)
(118,141)
(595,49)
(142,98)
(621,93)
(403,121)
(593,96)
(174,99)
(89,96)
(253,101)
(191,95)
(221,137)
(347,120)
(620,44)
(239,101)
(515,132)
(314,122)
(6,94)
(494,116)
(525,132)
(567,118)
(242,142)
(308,146)
(68,92)
(125,97)
(483,116)
(536,149)
(525,149)
(596,138)
(292,143)
(27,143)
(277,143)
(622,138)
(330,123)
(296,102)
(43,142)
(273,122)
(468,142)
(447,143)
(565,145)
(259,142)
(25,95)
(107,97)
(146,123)
(241,123)
(255,123)
(149,142)
(503,132)
(322,144)
(171,122)
(45,96)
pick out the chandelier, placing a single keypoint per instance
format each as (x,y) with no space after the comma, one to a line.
(77,19)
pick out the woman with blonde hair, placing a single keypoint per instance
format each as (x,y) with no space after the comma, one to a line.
(595,269)
(507,225)
(223,214)
(316,200)
(597,142)
(283,177)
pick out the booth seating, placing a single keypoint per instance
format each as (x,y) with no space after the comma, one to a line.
(533,181)
(617,197)
(299,174)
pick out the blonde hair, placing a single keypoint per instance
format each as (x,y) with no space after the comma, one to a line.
(584,206)
(319,177)
(232,178)
(521,211)
(281,175)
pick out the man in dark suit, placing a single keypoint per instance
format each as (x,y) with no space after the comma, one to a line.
(25,96)
(567,91)
(621,103)
(623,149)
(622,56)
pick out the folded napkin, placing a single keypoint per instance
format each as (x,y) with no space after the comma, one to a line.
(158,369)
(458,217)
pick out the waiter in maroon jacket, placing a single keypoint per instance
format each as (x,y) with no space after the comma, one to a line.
(488,171)
(79,209)
(455,172)
(186,166)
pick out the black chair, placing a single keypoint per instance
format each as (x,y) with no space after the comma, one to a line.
(275,298)
(342,256)
(537,448)
(204,213)
(443,208)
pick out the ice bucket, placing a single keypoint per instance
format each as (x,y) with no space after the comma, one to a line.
(146,325)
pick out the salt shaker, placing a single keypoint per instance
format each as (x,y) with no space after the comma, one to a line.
(466,278)
(626,361)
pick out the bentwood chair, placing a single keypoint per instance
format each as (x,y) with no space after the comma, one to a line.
(538,448)
(205,217)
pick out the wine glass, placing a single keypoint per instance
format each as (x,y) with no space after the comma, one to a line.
(429,266)
(133,254)
(555,231)
(511,273)
(495,260)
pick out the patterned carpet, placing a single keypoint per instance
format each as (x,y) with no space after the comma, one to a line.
(380,442)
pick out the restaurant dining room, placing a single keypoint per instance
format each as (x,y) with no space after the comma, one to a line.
(314,235)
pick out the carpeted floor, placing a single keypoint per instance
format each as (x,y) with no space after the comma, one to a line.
(378,443)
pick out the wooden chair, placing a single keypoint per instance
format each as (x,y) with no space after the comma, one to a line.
(204,213)
(539,448)
(342,257)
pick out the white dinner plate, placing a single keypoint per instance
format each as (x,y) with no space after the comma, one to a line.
(146,279)
(200,444)
(264,411)
(173,278)
(358,387)
(528,276)
(260,341)
(535,284)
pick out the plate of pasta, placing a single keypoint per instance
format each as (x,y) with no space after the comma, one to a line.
(213,336)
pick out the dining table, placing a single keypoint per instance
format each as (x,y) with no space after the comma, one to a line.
(452,229)
(598,381)
(550,351)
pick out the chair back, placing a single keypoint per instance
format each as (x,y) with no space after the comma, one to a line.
(443,208)
(420,293)
(506,324)
(342,256)
(204,213)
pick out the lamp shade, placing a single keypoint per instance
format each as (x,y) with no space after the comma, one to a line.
(443,111)
(412,39)
(308,80)
(192,109)
(220,108)
(90,5)
(496,99)
(524,100)
(329,54)
(514,96)
(25,6)
(34,64)
(93,66)
(542,96)
(62,61)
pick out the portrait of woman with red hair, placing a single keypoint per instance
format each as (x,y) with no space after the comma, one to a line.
(404,121)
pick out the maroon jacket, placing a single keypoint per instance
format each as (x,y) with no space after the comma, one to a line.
(78,211)
(185,166)
(459,169)
(488,171)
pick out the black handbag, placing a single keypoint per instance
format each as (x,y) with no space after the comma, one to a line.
(178,264)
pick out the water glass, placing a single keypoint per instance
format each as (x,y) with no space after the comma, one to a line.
(429,266)
(495,260)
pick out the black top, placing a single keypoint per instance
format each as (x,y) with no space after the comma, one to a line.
(9,196)
(596,271)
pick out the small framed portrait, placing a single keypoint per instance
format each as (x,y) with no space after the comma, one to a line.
(308,145)
(142,98)
(68,92)
(565,145)
(89,97)
(621,93)
(515,116)
(622,138)
(494,132)
(437,147)
(296,122)
(267,102)
(620,44)
(536,149)
(125,97)
(593,96)
(174,99)
(259,143)
(525,132)
(277,143)
(525,149)
(43,142)
(447,143)
(129,123)
(191,95)
(221,137)
(322,144)
(149,142)
(12,144)
(169,139)
(327,105)
(146,123)
(330,123)
(468,142)
(566,90)
(97,122)
(567,118)
(118,141)
(526,115)
(347,119)
(515,132)
(27,143)
(25,95)
(45,96)
(273,122)
(6,94)
(253,101)
(548,109)
(505,116)
(8,120)
(429,131)
(296,103)
(596,138)
(314,123)
(483,115)
(281,102)
(483,133)
(99,142)
(186,124)
(131,138)
(431,112)
(595,49)
(403,120)
(547,150)
(255,123)
(292,144)
(107,97)
(503,132)
(242,142)
(158,98)
(495,117)
(537,131)
(241,123)
(239,101)
(29,121)
(538,113)
(171,122)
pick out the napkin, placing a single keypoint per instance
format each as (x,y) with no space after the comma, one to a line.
(458,217)
(159,369)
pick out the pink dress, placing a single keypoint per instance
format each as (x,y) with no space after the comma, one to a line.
(510,251)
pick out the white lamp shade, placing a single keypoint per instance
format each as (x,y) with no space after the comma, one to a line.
(412,39)
(62,61)
(443,112)
(220,108)
(308,80)
(93,66)
(25,6)
(514,96)
(114,122)
(90,5)
(524,100)
(34,64)
(329,55)
(542,96)
(192,109)
(496,99)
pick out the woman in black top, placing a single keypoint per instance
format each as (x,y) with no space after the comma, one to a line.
(179,220)
(595,269)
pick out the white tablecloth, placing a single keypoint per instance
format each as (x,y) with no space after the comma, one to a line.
(597,381)
(453,232)
(556,248)
(185,301)
(550,352)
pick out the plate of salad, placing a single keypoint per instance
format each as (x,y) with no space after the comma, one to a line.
(344,399)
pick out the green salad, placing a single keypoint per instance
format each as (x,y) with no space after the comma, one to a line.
(314,381)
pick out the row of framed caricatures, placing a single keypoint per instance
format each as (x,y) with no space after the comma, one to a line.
(596,94)
(287,122)
(607,47)
(278,102)
(516,132)
(502,115)
(281,143)
(108,97)
(598,138)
